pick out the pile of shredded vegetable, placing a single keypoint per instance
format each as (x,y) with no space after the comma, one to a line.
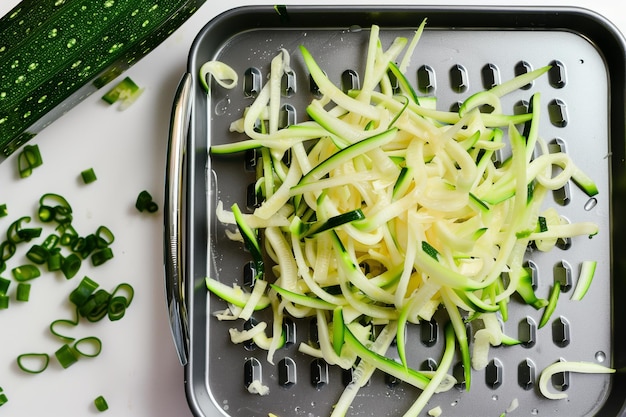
(389,211)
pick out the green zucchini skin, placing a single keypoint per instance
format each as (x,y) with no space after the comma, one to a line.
(55,53)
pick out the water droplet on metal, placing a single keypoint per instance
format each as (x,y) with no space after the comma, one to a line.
(534,412)
(600,356)
(355,28)
(494,397)
(590,204)
(221,107)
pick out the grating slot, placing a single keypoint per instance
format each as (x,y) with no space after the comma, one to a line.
(251,159)
(287,116)
(561,195)
(428,332)
(252,371)
(459,79)
(557,75)
(557,112)
(526,371)
(561,332)
(319,373)
(527,332)
(426,80)
(313,336)
(521,68)
(429,365)
(350,80)
(563,275)
(314,88)
(494,373)
(252,82)
(288,84)
(253,197)
(560,380)
(532,267)
(248,325)
(347,375)
(393,82)
(458,372)
(249,272)
(287,375)
(289,330)
(491,76)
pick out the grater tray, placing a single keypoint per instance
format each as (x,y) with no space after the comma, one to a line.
(461,51)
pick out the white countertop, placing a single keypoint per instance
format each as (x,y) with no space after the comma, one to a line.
(138,370)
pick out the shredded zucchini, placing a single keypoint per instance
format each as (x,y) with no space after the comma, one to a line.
(391,211)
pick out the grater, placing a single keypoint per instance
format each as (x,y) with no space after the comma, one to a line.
(462,51)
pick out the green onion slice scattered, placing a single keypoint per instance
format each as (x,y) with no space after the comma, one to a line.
(101,403)
(89,347)
(88,176)
(25,272)
(23,291)
(33,363)
(66,355)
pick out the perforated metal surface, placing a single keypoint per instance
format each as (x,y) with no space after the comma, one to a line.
(450,63)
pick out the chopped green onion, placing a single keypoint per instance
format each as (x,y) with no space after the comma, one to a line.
(66,355)
(25,272)
(93,342)
(64,322)
(70,265)
(7,250)
(101,256)
(28,159)
(145,202)
(104,237)
(88,176)
(101,403)
(3,398)
(54,261)
(96,306)
(3,210)
(51,242)
(38,254)
(4,285)
(4,302)
(23,291)
(45,213)
(33,363)
(17,234)
(85,289)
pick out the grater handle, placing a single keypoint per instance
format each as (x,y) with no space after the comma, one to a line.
(174,190)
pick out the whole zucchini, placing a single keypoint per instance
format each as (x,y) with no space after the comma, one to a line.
(54,53)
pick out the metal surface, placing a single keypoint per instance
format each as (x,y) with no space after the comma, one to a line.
(174,192)
(461,51)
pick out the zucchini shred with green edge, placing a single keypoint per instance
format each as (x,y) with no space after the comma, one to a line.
(387,211)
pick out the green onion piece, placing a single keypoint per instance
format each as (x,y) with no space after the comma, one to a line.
(66,355)
(117,308)
(38,254)
(3,399)
(16,234)
(3,210)
(96,306)
(70,265)
(4,285)
(68,236)
(63,215)
(101,403)
(45,213)
(57,199)
(54,261)
(25,272)
(104,236)
(88,176)
(101,256)
(145,202)
(81,294)
(29,158)
(124,288)
(92,341)
(33,363)
(51,241)
(62,322)
(7,250)
(23,291)
(4,302)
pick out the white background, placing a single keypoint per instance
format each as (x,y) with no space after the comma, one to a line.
(138,370)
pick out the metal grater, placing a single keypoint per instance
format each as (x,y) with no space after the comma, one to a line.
(461,52)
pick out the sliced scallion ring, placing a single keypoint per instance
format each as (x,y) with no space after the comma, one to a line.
(66,355)
(89,347)
(33,363)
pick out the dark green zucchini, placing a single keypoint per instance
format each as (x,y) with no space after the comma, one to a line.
(54,53)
